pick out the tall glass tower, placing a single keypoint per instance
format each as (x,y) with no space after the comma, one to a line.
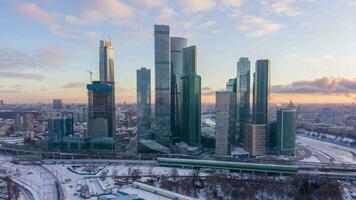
(261,96)
(242,96)
(143,81)
(286,129)
(177,46)
(106,61)
(191,99)
(162,84)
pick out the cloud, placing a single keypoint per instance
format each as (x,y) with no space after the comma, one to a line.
(21,75)
(328,85)
(207,25)
(292,56)
(39,58)
(98,10)
(352,2)
(35,12)
(195,6)
(166,15)
(285,7)
(73,85)
(257,27)
(152,3)
(231,3)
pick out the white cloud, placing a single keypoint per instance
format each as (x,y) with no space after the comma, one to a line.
(281,7)
(257,27)
(35,12)
(153,3)
(98,10)
(195,6)
(231,3)
(166,15)
(206,25)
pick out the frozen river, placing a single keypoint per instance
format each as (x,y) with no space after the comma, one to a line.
(327,151)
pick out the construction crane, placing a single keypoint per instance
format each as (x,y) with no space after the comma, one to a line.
(91,75)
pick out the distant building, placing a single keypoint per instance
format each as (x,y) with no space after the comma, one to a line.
(286,131)
(231,85)
(225,121)
(162,84)
(143,81)
(57,104)
(177,46)
(242,96)
(60,125)
(24,122)
(255,139)
(191,99)
(101,109)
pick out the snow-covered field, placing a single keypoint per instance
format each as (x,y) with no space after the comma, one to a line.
(337,153)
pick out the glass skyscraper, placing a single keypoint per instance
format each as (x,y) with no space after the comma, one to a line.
(143,80)
(177,46)
(191,99)
(162,84)
(60,125)
(242,96)
(286,130)
(231,85)
(106,61)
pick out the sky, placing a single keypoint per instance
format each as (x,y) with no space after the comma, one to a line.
(47,46)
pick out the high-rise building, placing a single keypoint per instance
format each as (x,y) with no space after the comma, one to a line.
(162,84)
(231,85)
(262,78)
(60,125)
(57,104)
(101,95)
(255,139)
(191,99)
(143,81)
(286,131)
(24,122)
(225,108)
(242,96)
(177,46)
(101,109)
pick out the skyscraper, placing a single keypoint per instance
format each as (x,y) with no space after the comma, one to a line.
(57,104)
(242,96)
(177,46)
(60,124)
(143,81)
(225,108)
(162,84)
(191,99)
(286,130)
(101,95)
(262,91)
(255,139)
(24,122)
(231,85)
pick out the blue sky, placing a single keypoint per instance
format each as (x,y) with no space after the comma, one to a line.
(46,46)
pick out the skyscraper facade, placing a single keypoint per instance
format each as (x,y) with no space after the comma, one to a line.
(143,81)
(191,99)
(225,108)
(101,95)
(57,104)
(177,46)
(231,85)
(24,122)
(60,125)
(255,139)
(242,96)
(162,84)
(286,130)
(261,91)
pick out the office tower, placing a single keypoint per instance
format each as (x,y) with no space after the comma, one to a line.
(57,104)
(191,99)
(272,139)
(225,108)
(286,130)
(101,95)
(162,84)
(101,109)
(231,85)
(106,61)
(242,96)
(262,91)
(60,125)
(255,139)
(177,46)
(143,81)
(24,122)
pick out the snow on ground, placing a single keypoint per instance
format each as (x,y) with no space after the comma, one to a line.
(341,154)
(311,159)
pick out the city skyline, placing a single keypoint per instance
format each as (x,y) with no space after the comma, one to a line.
(310,62)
